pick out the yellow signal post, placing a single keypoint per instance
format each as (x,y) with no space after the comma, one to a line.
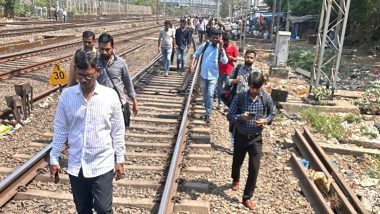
(58,76)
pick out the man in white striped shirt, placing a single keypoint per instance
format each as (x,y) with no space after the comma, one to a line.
(90,119)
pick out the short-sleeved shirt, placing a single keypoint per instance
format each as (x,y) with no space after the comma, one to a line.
(230,51)
(167,38)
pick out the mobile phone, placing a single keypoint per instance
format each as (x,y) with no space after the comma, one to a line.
(252,114)
(56,177)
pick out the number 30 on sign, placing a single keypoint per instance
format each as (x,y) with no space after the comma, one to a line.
(58,76)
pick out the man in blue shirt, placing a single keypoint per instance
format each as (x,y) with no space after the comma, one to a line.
(249,111)
(182,41)
(213,53)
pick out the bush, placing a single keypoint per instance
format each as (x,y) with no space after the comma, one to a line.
(370,104)
(23,10)
(351,118)
(301,57)
(329,125)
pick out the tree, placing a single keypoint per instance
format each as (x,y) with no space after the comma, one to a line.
(9,8)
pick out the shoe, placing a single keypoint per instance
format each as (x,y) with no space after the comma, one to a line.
(249,204)
(166,74)
(207,119)
(235,185)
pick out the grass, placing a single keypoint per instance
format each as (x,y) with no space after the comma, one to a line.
(376,161)
(352,118)
(329,125)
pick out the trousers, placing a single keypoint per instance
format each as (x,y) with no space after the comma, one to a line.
(253,146)
(91,193)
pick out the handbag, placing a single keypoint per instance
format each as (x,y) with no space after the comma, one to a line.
(229,91)
(124,107)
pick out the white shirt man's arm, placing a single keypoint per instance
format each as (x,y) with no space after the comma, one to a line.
(118,130)
(61,131)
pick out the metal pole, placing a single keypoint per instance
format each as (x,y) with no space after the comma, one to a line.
(327,20)
(164,8)
(241,33)
(313,71)
(278,16)
(247,15)
(287,26)
(272,22)
(341,42)
(157,12)
(217,9)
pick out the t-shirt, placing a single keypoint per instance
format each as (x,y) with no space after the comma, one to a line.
(167,38)
(230,50)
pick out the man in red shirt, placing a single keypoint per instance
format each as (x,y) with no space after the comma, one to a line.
(226,69)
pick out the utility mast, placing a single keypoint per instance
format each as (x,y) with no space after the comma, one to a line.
(331,34)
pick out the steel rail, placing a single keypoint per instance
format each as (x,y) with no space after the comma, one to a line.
(8,187)
(359,207)
(166,205)
(310,190)
(348,202)
(26,172)
(47,62)
(306,151)
(9,57)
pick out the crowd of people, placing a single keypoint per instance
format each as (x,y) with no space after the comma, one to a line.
(91,119)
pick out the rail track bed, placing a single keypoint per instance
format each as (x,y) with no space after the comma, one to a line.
(156,134)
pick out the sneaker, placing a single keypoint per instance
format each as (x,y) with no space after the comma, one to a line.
(166,74)
(207,119)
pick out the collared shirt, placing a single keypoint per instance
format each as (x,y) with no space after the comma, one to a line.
(209,67)
(235,113)
(72,71)
(94,130)
(244,72)
(182,38)
(118,71)
(167,37)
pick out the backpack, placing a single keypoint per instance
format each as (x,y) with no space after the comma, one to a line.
(229,91)
(264,99)
(203,51)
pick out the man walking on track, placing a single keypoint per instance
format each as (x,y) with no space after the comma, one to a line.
(114,71)
(88,39)
(212,52)
(249,111)
(90,119)
(165,45)
(183,42)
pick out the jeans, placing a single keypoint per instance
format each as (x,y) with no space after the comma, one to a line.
(208,88)
(242,146)
(219,87)
(91,193)
(166,54)
(181,56)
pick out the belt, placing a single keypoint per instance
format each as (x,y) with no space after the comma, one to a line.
(250,136)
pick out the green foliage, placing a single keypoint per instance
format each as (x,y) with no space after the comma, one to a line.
(370,104)
(320,93)
(41,3)
(23,10)
(351,118)
(300,57)
(365,130)
(376,161)
(329,125)
(9,6)
(300,7)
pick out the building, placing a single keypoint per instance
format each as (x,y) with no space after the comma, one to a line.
(196,7)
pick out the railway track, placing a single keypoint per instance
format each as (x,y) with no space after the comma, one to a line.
(15,64)
(62,26)
(155,143)
(338,197)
